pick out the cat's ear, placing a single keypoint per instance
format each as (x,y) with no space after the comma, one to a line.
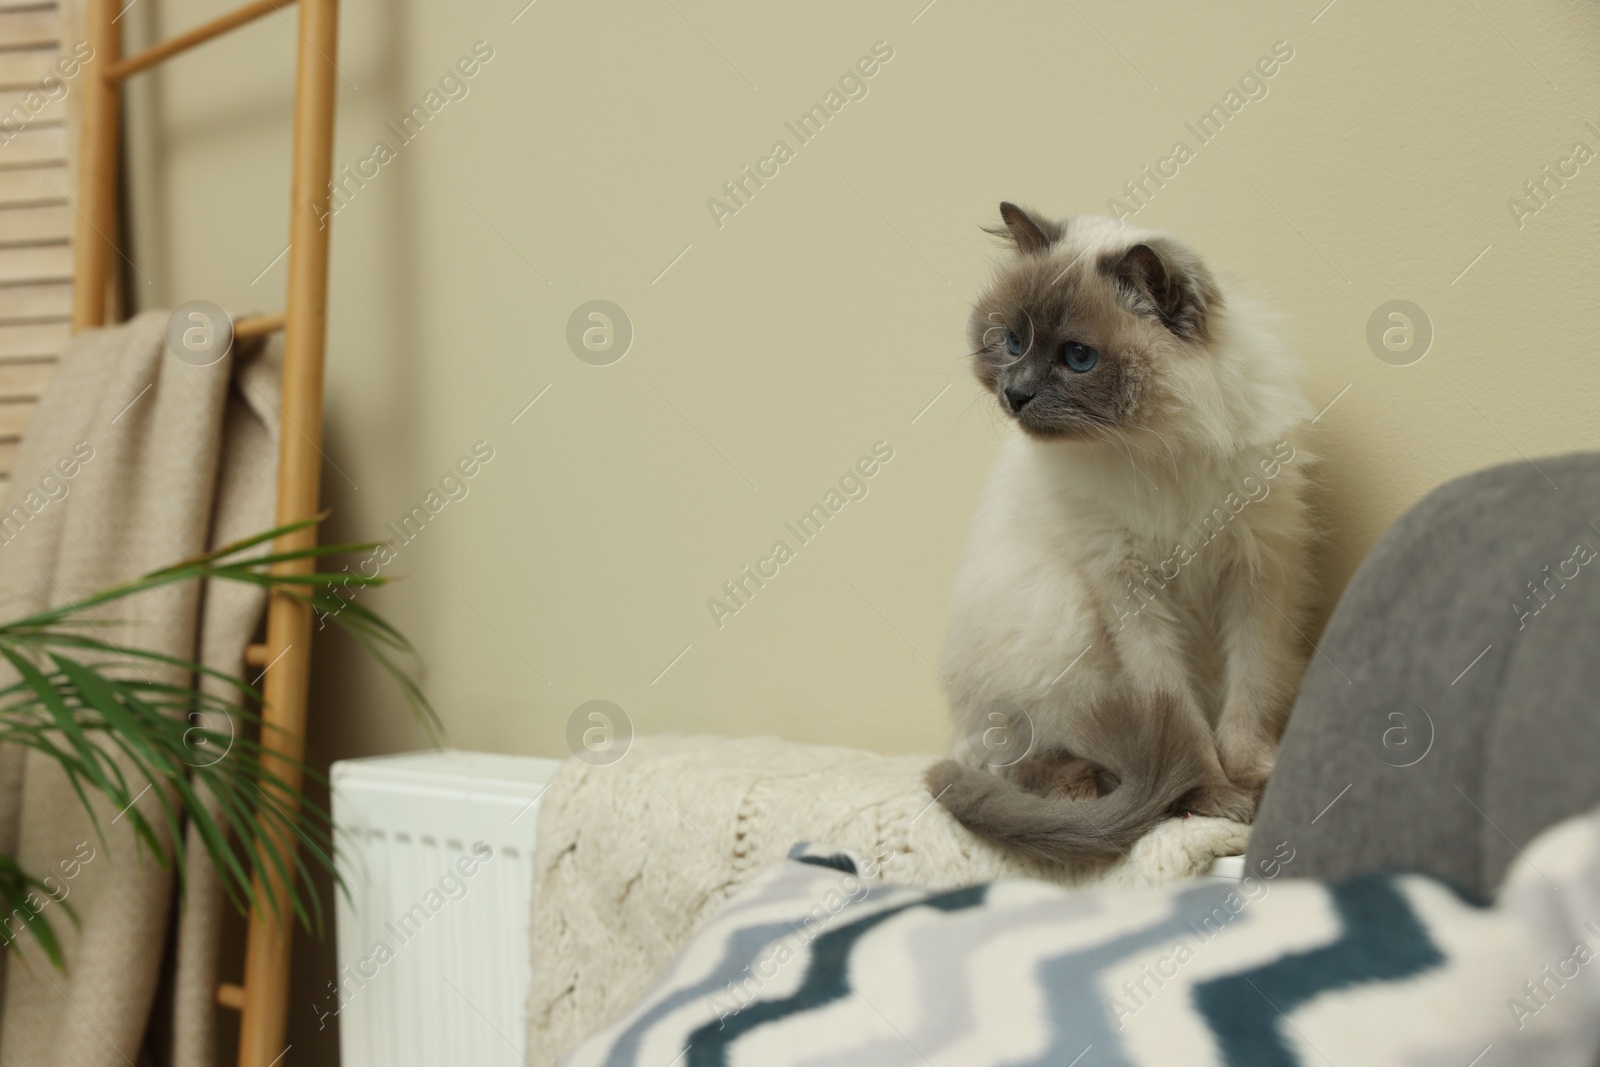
(1170,281)
(1031,234)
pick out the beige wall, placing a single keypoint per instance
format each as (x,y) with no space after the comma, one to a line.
(828,312)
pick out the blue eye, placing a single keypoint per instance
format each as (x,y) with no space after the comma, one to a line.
(1079,357)
(1013,343)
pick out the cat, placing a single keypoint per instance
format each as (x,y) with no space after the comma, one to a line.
(1125,640)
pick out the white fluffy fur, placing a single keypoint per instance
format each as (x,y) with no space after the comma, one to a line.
(1064,526)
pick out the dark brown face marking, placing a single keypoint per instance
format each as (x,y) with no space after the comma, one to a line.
(1138,307)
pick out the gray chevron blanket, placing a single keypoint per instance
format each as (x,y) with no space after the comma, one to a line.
(817,964)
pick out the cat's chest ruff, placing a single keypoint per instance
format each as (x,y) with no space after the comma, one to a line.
(1112,533)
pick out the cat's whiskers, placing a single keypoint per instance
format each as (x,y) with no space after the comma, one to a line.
(1128,451)
(1172,456)
(1099,430)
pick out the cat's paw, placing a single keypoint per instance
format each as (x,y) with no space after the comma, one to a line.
(1220,800)
(1247,765)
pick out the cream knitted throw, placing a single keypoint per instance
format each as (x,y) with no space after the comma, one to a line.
(172,459)
(634,857)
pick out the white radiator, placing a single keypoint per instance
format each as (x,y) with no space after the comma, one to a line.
(437,849)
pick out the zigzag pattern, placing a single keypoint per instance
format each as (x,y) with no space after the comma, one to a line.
(814,967)
(1382,941)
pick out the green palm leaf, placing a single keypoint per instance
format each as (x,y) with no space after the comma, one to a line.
(82,700)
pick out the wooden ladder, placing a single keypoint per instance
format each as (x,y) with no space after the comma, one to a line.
(263,997)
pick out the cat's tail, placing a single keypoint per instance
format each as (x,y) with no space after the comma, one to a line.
(1153,749)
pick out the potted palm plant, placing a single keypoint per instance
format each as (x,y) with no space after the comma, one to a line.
(116,732)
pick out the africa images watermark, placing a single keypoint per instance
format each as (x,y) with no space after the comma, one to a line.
(1252,86)
(453,487)
(852,85)
(1552,583)
(850,888)
(1253,489)
(451,886)
(1138,992)
(1539,991)
(51,88)
(1552,178)
(742,588)
(54,484)
(454,85)
(32,904)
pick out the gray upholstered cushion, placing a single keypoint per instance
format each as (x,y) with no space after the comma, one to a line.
(1452,773)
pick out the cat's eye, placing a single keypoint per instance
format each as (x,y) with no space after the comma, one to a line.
(1079,357)
(1013,343)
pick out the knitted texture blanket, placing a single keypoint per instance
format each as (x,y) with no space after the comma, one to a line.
(634,857)
(135,460)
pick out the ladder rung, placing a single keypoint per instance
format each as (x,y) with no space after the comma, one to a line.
(255,655)
(257,326)
(185,41)
(230,995)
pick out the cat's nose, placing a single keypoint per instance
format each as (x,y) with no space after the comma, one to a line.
(1017,398)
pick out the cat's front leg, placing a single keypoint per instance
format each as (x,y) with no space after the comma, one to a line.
(1263,661)
(1150,649)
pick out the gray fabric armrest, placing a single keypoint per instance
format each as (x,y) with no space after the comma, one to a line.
(1443,760)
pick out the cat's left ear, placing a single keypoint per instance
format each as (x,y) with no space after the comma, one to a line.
(1031,233)
(1170,281)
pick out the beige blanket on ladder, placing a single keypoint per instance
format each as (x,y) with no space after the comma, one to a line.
(168,460)
(633,857)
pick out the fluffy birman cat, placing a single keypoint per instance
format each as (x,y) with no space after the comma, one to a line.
(1124,640)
